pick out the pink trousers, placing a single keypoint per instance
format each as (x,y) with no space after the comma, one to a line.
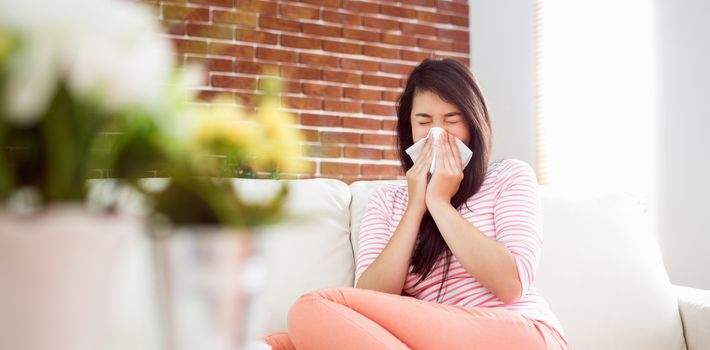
(350,318)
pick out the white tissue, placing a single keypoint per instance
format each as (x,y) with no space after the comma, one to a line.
(416,149)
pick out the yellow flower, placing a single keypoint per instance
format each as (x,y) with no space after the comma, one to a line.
(6,43)
(284,140)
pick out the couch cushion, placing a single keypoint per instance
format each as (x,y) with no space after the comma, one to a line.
(602,273)
(601,270)
(310,252)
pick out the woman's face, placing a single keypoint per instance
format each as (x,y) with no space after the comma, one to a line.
(429,110)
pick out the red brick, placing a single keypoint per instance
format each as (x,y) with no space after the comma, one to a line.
(255,36)
(248,67)
(398,11)
(429,3)
(362,153)
(328,168)
(318,59)
(341,106)
(330,3)
(358,34)
(208,95)
(231,50)
(355,64)
(380,23)
(433,17)
(342,77)
(307,103)
(276,54)
(340,137)
(190,46)
(395,39)
(451,6)
(391,96)
(235,17)
(300,42)
(396,68)
(222,3)
(434,44)
(384,170)
(341,18)
(225,81)
(309,135)
(361,6)
(320,120)
(460,21)
(279,23)
(213,64)
(462,47)
(379,51)
(322,90)
(456,35)
(301,73)
(210,31)
(261,7)
(343,47)
(389,125)
(413,28)
(378,109)
(362,94)
(390,154)
(378,139)
(292,11)
(174,27)
(322,151)
(361,123)
(186,13)
(369,79)
(417,56)
(320,29)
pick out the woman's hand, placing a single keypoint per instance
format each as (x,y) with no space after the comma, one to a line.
(448,174)
(417,177)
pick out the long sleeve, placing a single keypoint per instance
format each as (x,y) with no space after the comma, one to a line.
(517,216)
(374,230)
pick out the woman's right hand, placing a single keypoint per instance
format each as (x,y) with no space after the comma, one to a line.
(417,178)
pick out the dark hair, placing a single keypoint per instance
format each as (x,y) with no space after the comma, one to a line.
(454,83)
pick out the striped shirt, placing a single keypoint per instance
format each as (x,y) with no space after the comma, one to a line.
(507,208)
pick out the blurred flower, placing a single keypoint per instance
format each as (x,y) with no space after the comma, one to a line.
(99,47)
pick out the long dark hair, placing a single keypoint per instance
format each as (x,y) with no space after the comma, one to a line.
(454,83)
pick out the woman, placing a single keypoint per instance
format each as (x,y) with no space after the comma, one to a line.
(447,261)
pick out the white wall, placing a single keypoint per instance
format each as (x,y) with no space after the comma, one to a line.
(683,28)
(502,58)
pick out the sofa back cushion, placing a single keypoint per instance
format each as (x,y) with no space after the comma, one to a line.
(310,252)
(601,270)
(602,273)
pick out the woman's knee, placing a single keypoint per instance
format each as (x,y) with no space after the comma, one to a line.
(307,303)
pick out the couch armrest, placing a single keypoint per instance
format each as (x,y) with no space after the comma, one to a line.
(694,305)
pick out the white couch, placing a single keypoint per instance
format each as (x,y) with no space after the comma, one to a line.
(601,268)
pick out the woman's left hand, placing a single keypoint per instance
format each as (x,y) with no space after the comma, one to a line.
(448,173)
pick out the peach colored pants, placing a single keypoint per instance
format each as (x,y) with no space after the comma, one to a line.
(349,318)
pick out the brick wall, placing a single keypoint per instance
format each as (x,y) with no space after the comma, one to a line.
(344,63)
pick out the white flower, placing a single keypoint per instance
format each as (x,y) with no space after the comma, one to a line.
(104,49)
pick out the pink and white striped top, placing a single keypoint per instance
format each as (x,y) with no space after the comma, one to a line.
(507,208)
